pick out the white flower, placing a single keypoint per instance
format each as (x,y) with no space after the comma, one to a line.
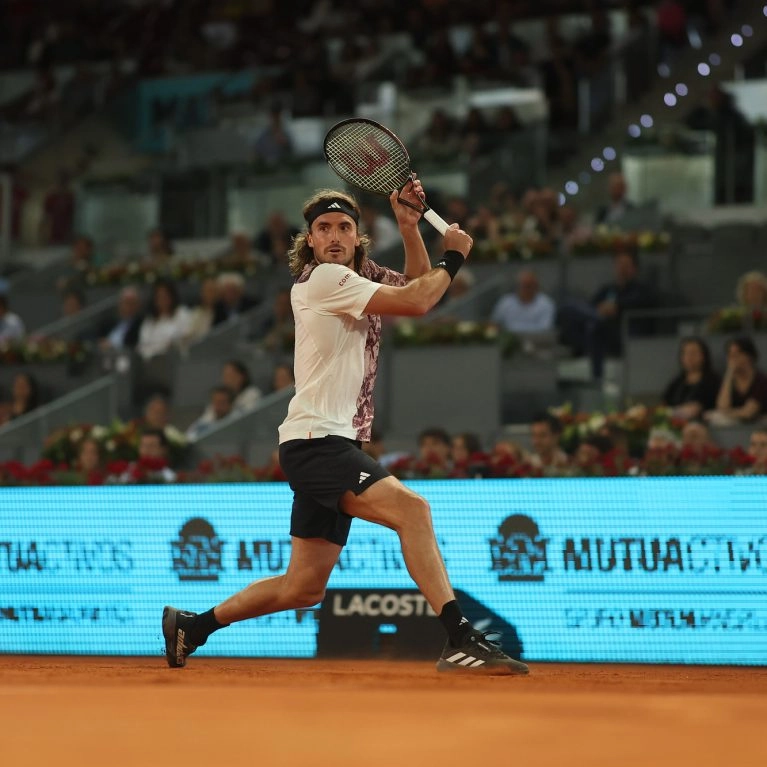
(406,328)
(99,432)
(465,328)
(76,435)
(110,446)
(596,422)
(174,435)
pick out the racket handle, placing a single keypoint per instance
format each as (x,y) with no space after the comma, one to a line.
(436,221)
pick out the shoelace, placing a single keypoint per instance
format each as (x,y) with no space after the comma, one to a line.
(493,644)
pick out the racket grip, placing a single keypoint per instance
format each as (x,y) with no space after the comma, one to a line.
(436,221)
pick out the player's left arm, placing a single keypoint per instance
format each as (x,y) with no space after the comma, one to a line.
(416,256)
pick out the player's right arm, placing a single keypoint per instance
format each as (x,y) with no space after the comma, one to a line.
(420,295)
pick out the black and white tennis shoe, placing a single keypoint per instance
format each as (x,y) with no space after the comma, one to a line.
(175,629)
(479,654)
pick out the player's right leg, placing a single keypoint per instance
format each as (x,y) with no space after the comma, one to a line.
(388,502)
(302,585)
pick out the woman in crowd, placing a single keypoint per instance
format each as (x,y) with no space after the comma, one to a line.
(694,390)
(236,377)
(743,393)
(90,461)
(752,291)
(25,397)
(167,323)
(202,315)
(282,377)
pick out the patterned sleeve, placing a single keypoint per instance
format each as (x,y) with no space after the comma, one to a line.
(383,275)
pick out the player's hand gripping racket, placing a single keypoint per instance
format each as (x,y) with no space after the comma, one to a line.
(367,155)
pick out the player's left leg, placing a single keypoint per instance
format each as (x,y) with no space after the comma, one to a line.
(302,585)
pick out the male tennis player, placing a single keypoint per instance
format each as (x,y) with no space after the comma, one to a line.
(338,298)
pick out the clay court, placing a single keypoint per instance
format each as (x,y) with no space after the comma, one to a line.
(135,711)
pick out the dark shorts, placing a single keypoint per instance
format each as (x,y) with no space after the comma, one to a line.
(320,471)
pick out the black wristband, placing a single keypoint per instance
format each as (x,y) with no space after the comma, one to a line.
(451,262)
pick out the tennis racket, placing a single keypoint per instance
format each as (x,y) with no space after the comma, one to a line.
(365,154)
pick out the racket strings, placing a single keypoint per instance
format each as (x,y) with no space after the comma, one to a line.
(368,158)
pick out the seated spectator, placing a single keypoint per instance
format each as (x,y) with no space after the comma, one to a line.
(219,407)
(81,261)
(241,248)
(282,377)
(167,323)
(276,238)
(25,397)
(463,446)
(572,231)
(382,230)
(440,140)
(279,331)
(694,390)
(152,464)
(90,460)
(232,300)
(475,134)
(751,291)
(156,413)
(273,144)
(201,316)
(236,378)
(757,449)
(11,325)
(545,433)
(697,436)
(159,248)
(595,327)
(743,394)
(434,447)
(590,453)
(72,302)
(526,311)
(618,206)
(123,334)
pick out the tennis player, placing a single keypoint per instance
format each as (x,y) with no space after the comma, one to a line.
(338,298)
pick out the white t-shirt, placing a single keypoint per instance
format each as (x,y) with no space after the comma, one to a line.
(331,338)
(534,317)
(158,334)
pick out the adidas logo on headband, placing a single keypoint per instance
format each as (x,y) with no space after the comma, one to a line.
(327,206)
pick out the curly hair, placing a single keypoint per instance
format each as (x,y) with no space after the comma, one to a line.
(300,254)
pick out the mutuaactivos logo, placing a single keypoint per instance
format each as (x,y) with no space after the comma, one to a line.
(518,553)
(197,551)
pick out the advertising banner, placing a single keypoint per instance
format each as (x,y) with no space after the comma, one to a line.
(625,570)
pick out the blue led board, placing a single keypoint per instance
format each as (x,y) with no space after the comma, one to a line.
(627,570)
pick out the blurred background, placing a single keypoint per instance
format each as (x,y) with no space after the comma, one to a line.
(609,158)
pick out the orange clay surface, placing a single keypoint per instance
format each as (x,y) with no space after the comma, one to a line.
(135,711)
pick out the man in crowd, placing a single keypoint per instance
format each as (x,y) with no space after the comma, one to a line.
(124,333)
(527,310)
(545,432)
(595,327)
(618,205)
(11,325)
(221,402)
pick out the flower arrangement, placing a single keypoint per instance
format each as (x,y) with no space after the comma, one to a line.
(45,350)
(609,240)
(634,424)
(180,270)
(732,319)
(118,441)
(451,333)
(523,246)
